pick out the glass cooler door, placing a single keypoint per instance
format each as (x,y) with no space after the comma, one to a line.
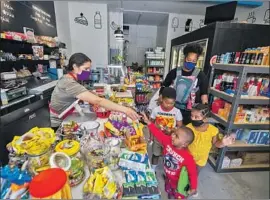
(200,63)
(174,57)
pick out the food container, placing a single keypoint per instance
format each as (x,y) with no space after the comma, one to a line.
(38,163)
(50,184)
(95,154)
(69,130)
(113,157)
(90,130)
(71,148)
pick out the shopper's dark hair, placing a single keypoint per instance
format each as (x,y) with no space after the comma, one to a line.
(193,48)
(78,59)
(168,92)
(188,133)
(203,108)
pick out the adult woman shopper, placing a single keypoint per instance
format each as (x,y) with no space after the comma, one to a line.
(68,90)
(190,83)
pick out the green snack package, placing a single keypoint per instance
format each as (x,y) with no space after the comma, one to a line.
(183,182)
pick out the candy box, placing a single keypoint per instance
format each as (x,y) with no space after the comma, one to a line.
(129,190)
(264,137)
(245,135)
(253,137)
(131,176)
(239,134)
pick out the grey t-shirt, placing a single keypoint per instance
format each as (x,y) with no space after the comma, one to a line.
(64,94)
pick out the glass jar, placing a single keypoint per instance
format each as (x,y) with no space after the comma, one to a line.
(72,149)
(95,154)
(113,157)
(89,130)
(38,163)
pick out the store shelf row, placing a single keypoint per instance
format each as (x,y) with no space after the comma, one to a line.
(256,69)
(242,146)
(256,100)
(242,168)
(155,74)
(249,125)
(154,58)
(3,41)
(157,66)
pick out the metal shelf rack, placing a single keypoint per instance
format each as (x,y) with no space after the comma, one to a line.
(160,66)
(229,124)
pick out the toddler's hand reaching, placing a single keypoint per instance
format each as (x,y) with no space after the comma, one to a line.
(227,140)
(145,118)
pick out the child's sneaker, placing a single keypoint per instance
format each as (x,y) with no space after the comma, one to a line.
(195,196)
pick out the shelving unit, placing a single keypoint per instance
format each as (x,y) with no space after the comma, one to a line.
(155,67)
(23,47)
(229,123)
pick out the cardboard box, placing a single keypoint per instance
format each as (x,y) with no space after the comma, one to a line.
(255,158)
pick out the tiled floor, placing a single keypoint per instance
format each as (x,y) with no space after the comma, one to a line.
(237,185)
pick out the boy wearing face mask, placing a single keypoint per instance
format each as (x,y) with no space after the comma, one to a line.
(205,135)
(191,83)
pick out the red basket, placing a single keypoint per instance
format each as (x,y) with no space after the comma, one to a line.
(103,115)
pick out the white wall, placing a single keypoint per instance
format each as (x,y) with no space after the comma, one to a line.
(62,24)
(86,39)
(174,33)
(140,38)
(116,17)
(162,30)
(259,14)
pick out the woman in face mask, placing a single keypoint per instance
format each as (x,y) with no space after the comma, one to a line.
(190,83)
(68,90)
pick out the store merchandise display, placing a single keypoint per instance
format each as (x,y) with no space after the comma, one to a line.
(154,64)
(143,92)
(244,114)
(157,53)
(240,104)
(115,157)
(253,86)
(46,40)
(251,56)
(248,136)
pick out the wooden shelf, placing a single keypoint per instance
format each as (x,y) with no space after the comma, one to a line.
(249,125)
(239,143)
(255,100)
(243,146)
(249,166)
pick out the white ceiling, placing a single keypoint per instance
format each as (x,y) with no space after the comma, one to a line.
(165,6)
(144,18)
(151,12)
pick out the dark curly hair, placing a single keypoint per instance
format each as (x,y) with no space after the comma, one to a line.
(203,108)
(193,48)
(78,59)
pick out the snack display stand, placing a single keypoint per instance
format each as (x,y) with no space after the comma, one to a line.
(104,158)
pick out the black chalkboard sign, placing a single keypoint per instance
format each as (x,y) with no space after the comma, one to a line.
(38,15)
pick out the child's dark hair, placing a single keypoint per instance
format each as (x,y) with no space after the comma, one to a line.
(203,108)
(193,48)
(78,59)
(169,93)
(188,133)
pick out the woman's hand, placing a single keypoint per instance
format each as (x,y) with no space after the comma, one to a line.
(131,113)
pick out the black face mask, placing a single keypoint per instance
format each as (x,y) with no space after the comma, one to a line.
(197,123)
